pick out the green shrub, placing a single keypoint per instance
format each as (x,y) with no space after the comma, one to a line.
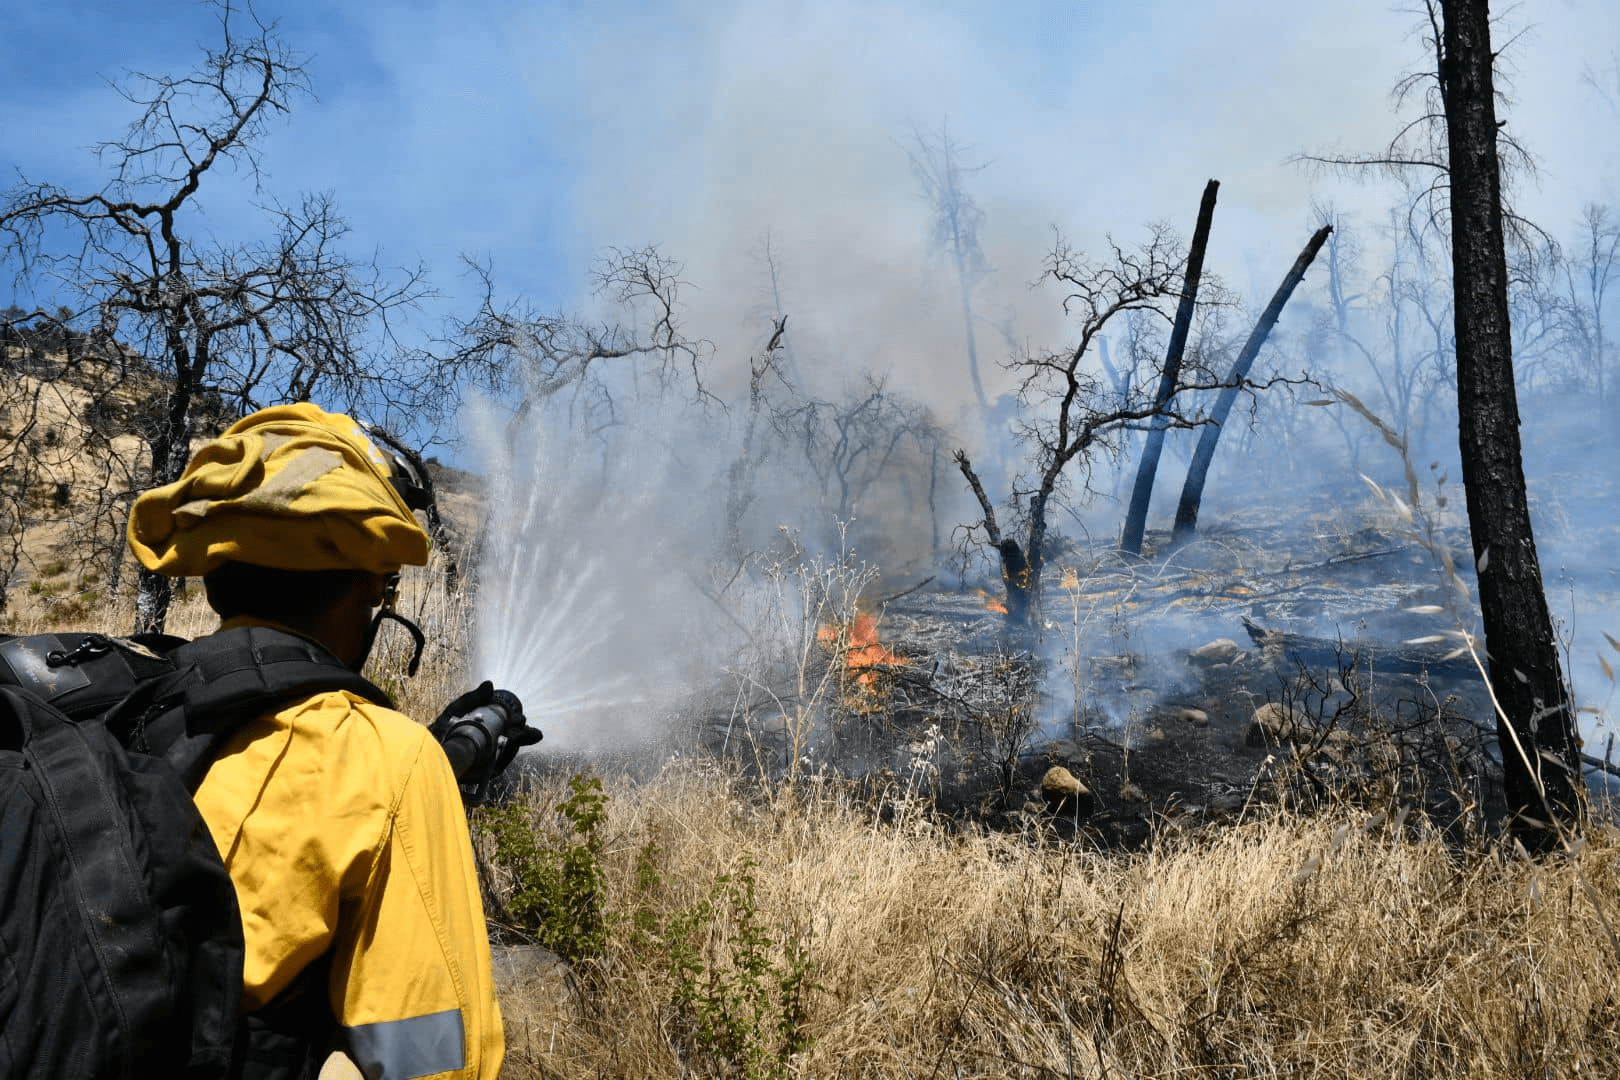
(559,889)
(736,1002)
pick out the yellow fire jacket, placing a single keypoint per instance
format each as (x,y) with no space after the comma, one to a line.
(342,829)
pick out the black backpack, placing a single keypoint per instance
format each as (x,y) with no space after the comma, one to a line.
(122,943)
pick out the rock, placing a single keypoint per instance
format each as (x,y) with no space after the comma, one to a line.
(1196,717)
(1064,794)
(1157,737)
(1220,651)
(1273,724)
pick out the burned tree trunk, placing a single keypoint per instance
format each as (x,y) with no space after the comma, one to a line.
(1019,573)
(1192,492)
(1148,468)
(1535,723)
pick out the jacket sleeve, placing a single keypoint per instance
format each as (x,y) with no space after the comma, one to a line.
(411,982)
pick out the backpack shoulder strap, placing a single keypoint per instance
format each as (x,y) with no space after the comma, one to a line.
(222,681)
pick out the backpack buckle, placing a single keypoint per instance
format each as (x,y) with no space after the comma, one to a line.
(92,645)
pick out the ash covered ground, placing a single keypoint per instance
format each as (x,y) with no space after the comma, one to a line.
(1180,691)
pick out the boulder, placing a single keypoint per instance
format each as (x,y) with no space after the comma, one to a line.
(1066,752)
(1064,794)
(1274,724)
(1220,651)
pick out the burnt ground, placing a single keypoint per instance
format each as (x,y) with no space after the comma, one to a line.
(1146,681)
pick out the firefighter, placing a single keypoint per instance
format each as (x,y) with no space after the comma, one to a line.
(339,820)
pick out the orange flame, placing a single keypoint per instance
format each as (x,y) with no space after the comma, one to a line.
(993,603)
(865,651)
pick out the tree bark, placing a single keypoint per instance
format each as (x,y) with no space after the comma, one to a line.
(1535,723)
(1148,468)
(1192,492)
(171,447)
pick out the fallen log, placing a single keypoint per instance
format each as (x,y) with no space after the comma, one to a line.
(1317,654)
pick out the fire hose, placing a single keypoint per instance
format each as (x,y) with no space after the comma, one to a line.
(481,732)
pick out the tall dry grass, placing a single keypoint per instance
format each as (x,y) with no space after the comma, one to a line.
(1329,946)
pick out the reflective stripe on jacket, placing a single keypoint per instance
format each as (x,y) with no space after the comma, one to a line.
(343,830)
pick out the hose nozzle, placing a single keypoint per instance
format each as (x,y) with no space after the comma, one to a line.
(481,733)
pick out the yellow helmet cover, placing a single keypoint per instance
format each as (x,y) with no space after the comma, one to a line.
(291,487)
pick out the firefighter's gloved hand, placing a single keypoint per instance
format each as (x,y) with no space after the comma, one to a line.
(481,732)
(518,732)
(478,697)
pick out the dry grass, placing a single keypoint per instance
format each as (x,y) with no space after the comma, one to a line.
(1332,946)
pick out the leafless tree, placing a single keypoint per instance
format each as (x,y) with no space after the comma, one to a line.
(849,444)
(939,166)
(1148,467)
(1072,414)
(1591,268)
(1192,491)
(1536,723)
(755,451)
(284,318)
(1467,159)
(545,357)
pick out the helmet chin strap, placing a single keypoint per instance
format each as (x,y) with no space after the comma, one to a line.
(387,612)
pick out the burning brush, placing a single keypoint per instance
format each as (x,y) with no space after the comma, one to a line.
(863,653)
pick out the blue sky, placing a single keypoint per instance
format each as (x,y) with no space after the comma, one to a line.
(535,135)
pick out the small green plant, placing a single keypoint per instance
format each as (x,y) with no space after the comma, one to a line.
(644,925)
(52,569)
(560,888)
(739,1004)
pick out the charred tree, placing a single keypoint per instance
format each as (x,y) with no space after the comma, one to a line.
(1148,468)
(1192,492)
(1016,574)
(939,170)
(1079,415)
(1535,721)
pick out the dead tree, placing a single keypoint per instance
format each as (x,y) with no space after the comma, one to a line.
(1083,416)
(754,453)
(939,170)
(1148,468)
(1466,153)
(1589,275)
(1536,722)
(543,359)
(1192,492)
(244,324)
